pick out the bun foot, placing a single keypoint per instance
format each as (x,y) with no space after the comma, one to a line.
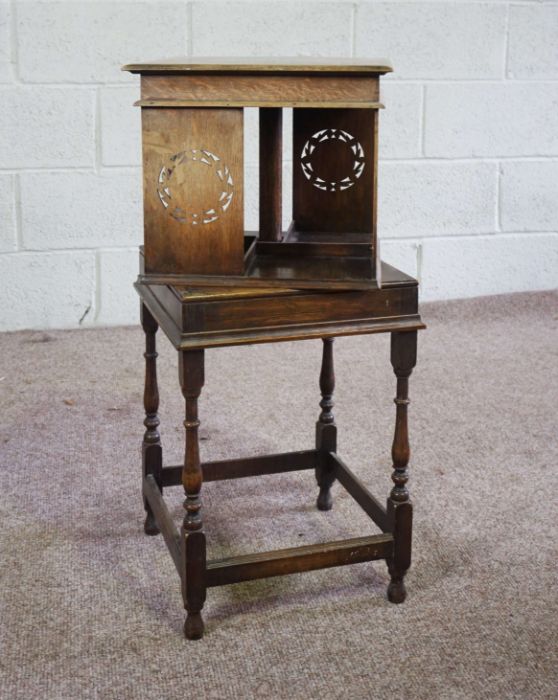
(193,627)
(150,526)
(324,502)
(396,592)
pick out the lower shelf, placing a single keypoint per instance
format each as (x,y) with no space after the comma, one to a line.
(297,559)
(280,562)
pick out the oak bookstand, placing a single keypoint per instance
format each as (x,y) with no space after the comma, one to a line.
(193,172)
(207,284)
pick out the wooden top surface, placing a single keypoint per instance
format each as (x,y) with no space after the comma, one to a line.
(212,64)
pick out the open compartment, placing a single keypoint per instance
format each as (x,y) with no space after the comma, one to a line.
(193,130)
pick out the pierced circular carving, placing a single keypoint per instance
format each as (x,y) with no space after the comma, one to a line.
(314,142)
(174,174)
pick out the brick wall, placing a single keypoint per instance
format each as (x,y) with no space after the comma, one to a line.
(469,171)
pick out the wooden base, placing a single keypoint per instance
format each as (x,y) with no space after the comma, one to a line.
(248,567)
(220,572)
(197,319)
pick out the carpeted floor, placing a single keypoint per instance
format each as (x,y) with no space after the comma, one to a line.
(91,608)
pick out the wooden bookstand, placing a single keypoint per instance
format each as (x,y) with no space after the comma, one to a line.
(192,129)
(208,285)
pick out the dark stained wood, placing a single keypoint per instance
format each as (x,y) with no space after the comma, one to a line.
(376,248)
(338,207)
(326,430)
(207,317)
(164,521)
(185,191)
(192,114)
(289,561)
(207,283)
(400,510)
(193,581)
(271,173)
(247,466)
(313,307)
(151,449)
(313,249)
(191,374)
(282,271)
(265,319)
(370,505)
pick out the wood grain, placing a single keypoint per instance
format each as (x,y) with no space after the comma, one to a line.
(261,88)
(181,247)
(348,210)
(296,559)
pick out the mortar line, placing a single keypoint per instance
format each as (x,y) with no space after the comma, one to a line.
(413,160)
(100,249)
(417,239)
(31,85)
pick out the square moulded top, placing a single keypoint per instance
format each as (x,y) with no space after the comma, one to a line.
(252,65)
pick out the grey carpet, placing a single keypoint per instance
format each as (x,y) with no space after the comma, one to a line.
(90,607)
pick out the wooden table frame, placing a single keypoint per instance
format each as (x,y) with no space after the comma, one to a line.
(187,546)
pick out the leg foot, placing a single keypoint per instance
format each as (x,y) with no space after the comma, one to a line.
(325,501)
(193,627)
(150,526)
(396,591)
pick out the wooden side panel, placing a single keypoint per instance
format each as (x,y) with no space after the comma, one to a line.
(334,166)
(261,88)
(193,191)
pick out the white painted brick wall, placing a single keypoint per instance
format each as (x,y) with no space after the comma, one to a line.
(47,290)
(5,44)
(469,138)
(43,127)
(82,42)
(447,40)
(494,120)
(75,209)
(437,199)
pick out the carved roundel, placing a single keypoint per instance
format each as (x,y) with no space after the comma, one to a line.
(173,186)
(314,142)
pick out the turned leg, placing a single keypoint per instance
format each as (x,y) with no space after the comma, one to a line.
(151,452)
(399,507)
(192,535)
(326,430)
